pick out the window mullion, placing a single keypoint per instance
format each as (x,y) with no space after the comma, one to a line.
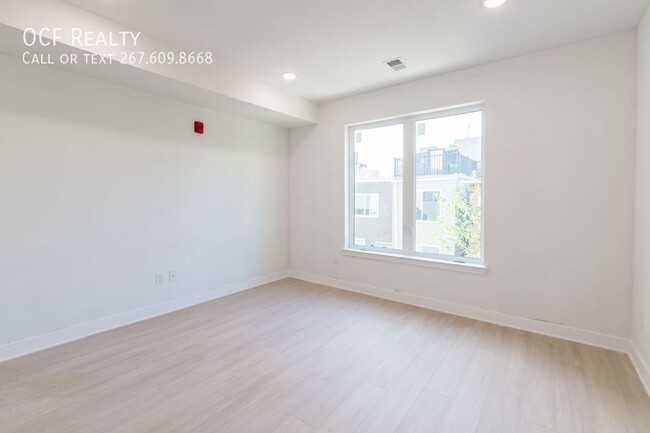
(408,208)
(351,190)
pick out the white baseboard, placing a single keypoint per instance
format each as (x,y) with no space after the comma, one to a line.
(641,366)
(618,344)
(61,336)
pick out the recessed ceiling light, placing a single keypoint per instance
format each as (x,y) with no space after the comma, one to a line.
(289,76)
(491,4)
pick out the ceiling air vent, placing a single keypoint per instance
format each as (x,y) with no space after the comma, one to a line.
(396,64)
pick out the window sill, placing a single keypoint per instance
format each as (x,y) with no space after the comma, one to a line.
(471,268)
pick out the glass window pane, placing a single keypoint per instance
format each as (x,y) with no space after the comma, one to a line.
(448,185)
(366,205)
(378,153)
(427,206)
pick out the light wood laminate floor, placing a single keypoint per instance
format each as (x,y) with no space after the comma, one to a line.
(295,357)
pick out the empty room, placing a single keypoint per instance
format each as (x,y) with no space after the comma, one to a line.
(352,216)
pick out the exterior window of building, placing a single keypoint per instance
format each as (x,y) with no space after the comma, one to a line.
(420,177)
(366,205)
(428,206)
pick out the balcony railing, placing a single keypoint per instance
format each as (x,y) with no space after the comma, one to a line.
(431,162)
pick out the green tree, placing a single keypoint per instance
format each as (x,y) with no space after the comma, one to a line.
(465,231)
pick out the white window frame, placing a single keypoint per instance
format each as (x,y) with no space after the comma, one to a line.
(408,254)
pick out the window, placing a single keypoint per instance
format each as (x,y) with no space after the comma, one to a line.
(376,196)
(366,205)
(416,185)
(427,206)
(432,249)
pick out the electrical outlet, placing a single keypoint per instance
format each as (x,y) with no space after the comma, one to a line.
(160,278)
(172,276)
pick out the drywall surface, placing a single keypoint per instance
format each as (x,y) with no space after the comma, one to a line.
(559,178)
(103,186)
(641,303)
(208,84)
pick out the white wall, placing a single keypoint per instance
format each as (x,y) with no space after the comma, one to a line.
(102,186)
(640,336)
(559,186)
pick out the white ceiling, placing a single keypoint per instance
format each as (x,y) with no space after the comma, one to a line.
(336,47)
